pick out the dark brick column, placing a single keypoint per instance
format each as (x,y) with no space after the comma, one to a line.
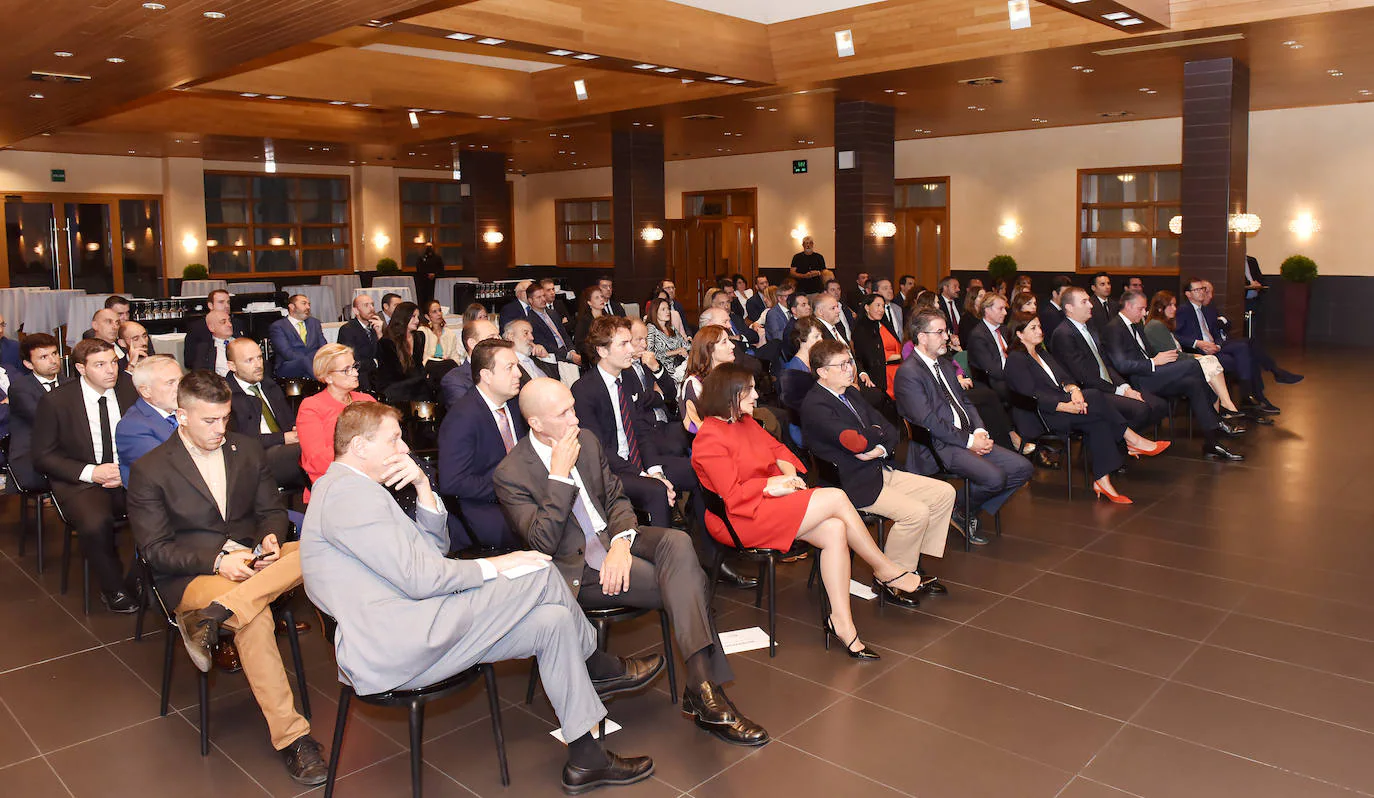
(1216,132)
(637,203)
(864,192)
(486,208)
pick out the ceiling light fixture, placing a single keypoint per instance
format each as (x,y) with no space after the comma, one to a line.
(651,234)
(1126,23)
(338,102)
(360,105)
(1116,15)
(560,53)
(249,94)
(62,54)
(114,59)
(844,43)
(1176,225)
(36,96)
(646,66)
(460,37)
(154,6)
(276,97)
(666,70)
(717,78)
(735,81)
(491,41)
(586,57)
(414,120)
(213,15)
(1246,223)
(269,155)
(883,229)
(1335,73)
(492,237)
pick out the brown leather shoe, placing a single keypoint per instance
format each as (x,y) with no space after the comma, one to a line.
(227,656)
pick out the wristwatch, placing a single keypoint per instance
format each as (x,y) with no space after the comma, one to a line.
(219,558)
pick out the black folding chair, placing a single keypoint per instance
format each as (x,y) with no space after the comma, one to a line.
(68,532)
(1029,405)
(27,494)
(920,436)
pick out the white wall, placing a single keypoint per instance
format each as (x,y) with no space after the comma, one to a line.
(86,174)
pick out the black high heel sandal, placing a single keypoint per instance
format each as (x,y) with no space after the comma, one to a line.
(862,653)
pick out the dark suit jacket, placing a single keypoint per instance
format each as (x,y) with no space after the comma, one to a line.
(654,400)
(741,328)
(754,307)
(470,448)
(944,305)
(614,308)
(984,355)
(203,355)
(868,351)
(141,430)
(1050,319)
(512,311)
(456,384)
(25,393)
(597,415)
(737,308)
(1122,351)
(176,522)
(245,412)
(1025,377)
(824,417)
(292,357)
(1102,313)
(198,337)
(389,373)
(1188,331)
(921,400)
(360,338)
(540,510)
(62,444)
(1072,353)
(544,336)
(10,358)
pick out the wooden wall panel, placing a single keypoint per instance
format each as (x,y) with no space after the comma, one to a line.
(637,202)
(864,194)
(488,209)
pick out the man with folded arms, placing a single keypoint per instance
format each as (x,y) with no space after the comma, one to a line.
(209,520)
(409,616)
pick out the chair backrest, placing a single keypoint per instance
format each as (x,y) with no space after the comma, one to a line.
(168,613)
(921,436)
(716,506)
(827,473)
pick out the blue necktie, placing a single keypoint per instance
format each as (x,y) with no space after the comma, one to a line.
(172,421)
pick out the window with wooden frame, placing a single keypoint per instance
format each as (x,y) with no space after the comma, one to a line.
(431,213)
(1124,216)
(585,235)
(277,224)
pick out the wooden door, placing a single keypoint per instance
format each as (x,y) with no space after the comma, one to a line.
(737,247)
(922,243)
(694,258)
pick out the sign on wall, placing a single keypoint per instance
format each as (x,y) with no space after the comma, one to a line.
(59,175)
(799,167)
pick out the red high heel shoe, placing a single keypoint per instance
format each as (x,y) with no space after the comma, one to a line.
(1158,448)
(1114,498)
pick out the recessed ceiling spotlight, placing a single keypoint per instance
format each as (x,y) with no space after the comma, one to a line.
(646,66)
(1088,70)
(434,112)
(460,37)
(36,96)
(889,91)
(1295,46)
(1114,16)
(758,108)
(484,116)
(502,119)
(560,53)
(491,41)
(717,77)
(650,124)
(114,59)
(735,81)
(666,70)
(567,135)
(249,94)
(154,6)
(1335,73)
(360,105)
(62,54)
(901,94)
(213,15)
(338,102)
(276,97)
(688,80)
(1364,92)
(1126,23)
(1076,67)
(131,152)
(1038,120)
(772,109)
(586,57)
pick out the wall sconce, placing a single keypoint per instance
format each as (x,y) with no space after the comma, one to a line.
(1009,229)
(493,237)
(381,240)
(1304,226)
(190,243)
(211,243)
(651,234)
(1247,223)
(883,229)
(92,247)
(1176,225)
(799,232)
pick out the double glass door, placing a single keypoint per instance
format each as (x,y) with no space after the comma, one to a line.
(96,244)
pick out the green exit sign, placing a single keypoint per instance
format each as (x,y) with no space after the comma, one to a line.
(59,175)
(799,167)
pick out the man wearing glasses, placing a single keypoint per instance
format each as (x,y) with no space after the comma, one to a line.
(929,394)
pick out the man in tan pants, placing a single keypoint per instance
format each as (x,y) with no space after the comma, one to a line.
(208,518)
(840,428)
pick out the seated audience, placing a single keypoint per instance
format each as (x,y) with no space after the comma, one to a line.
(892,312)
(560,496)
(778,315)
(39,374)
(754,307)
(907,289)
(770,506)
(119,304)
(295,339)
(456,384)
(929,395)
(607,286)
(222,563)
(533,360)
(1067,407)
(743,349)
(554,295)
(833,328)
(592,307)
(476,434)
(362,334)
(337,371)
(389,302)
(153,418)
(1159,332)
(1052,312)
(711,346)
(1200,329)
(211,350)
(669,289)
(73,444)
(987,345)
(795,380)
(655,378)
(262,412)
(1104,308)
(105,327)
(198,335)
(841,429)
(441,344)
(669,344)
(876,350)
(750,334)
(517,308)
(133,339)
(549,330)
(798,307)
(845,321)
(1162,373)
(948,304)
(10,357)
(400,374)
(1024,306)
(972,315)
(475,312)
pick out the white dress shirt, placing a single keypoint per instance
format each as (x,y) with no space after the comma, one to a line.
(528,365)
(90,397)
(545,454)
(221,355)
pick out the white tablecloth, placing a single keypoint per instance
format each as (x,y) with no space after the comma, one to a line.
(173,344)
(331,330)
(48,309)
(79,314)
(253,287)
(201,287)
(344,285)
(14,304)
(394,282)
(323,305)
(408,294)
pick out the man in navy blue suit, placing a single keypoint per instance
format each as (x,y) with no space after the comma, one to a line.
(549,330)
(295,339)
(153,418)
(1199,328)
(9,350)
(519,307)
(361,334)
(755,307)
(38,375)
(475,436)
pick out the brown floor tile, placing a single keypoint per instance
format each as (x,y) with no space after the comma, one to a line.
(984,572)
(16,585)
(157,759)
(76,698)
(1086,788)
(14,743)
(38,629)
(1107,641)
(1314,613)
(1044,730)
(1278,684)
(1327,752)
(145,659)
(1157,766)
(391,779)
(1071,535)
(32,779)
(1066,678)
(780,769)
(1153,579)
(1149,610)
(1344,656)
(918,758)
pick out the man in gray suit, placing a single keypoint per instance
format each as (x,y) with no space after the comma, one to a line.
(559,494)
(409,617)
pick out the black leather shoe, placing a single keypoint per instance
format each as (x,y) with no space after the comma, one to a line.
(1044,459)
(892,595)
(119,601)
(1230,430)
(1268,408)
(200,633)
(1216,451)
(930,584)
(968,527)
(621,771)
(639,671)
(1287,377)
(1234,415)
(732,578)
(713,711)
(304,762)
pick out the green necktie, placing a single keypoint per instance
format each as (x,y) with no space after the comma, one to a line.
(267,415)
(300,327)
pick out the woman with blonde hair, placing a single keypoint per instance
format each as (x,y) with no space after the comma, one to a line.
(335,369)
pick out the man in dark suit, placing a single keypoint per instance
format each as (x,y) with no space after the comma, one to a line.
(556,305)
(1078,348)
(519,307)
(561,497)
(458,381)
(948,303)
(73,444)
(987,345)
(260,410)
(153,418)
(835,421)
(929,394)
(361,334)
(1163,373)
(10,357)
(295,340)
(1254,289)
(1104,309)
(209,520)
(198,335)
(660,392)
(133,339)
(1199,328)
(860,289)
(1052,312)
(549,330)
(755,307)
(845,322)
(752,334)
(427,269)
(670,288)
(210,352)
(38,374)
(105,327)
(477,433)
(607,287)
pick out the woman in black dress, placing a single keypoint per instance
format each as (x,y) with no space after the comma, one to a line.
(400,374)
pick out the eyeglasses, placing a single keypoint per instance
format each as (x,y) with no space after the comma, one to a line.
(843,364)
(941,333)
(350,369)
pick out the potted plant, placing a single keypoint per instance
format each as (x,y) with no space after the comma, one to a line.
(1002,267)
(387,266)
(1298,272)
(195,271)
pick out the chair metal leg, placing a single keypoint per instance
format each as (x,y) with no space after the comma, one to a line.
(715,576)
(1068,467)
(340,720)
(85,585)
(38,540)
(758,591)
(668,654)
(815,572)
(968,513)
(417,738)
(23,523)
(770,569)
(534,679)
(66,559)
(293,637)
(204,714)
(489,673)
(167,656)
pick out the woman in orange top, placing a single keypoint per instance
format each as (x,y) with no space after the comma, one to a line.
(336,369)
(770,506)
(878,351)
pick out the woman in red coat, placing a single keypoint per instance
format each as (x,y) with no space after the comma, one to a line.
(338,373)
(770,506)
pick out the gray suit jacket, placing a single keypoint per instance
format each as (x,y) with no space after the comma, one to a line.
(540,509)
(401,605)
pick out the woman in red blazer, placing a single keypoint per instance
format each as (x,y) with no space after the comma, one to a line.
(769,504)
(335,369)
